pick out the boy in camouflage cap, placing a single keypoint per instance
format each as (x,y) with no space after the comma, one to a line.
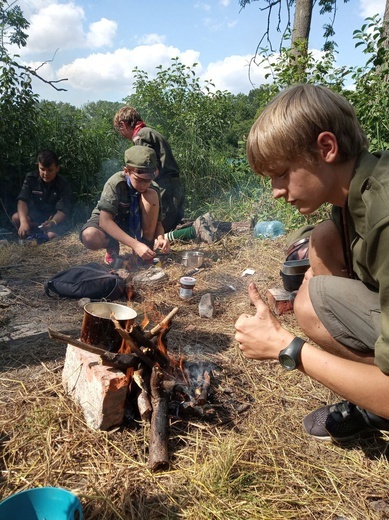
(129,210)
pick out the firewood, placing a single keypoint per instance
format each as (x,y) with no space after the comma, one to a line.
(142,341)
(59,336)
(120,361)
(159,428)
(162,324)
(203,395)
(131,344)
(142,379)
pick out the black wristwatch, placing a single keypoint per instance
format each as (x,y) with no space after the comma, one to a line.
(289,357)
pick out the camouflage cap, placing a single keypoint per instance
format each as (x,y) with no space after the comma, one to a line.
(141,159)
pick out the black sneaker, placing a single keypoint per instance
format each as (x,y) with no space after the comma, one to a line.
(340,422)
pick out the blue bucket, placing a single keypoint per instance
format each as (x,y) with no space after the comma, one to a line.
(46,503)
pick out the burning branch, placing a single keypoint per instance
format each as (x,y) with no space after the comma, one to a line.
(164,323)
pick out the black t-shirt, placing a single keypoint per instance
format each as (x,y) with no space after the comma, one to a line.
(44,199)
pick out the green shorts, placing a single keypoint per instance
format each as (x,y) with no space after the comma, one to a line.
(348,309)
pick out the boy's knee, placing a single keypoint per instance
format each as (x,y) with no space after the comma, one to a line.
(302,308)
(93,238)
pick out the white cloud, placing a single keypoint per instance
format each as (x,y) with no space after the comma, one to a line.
(56,26)
(45,70)
(150,39)
(101,33)
(113,71)
(371,7)
(225,3)
(233,74)
(203,6)
(60,26)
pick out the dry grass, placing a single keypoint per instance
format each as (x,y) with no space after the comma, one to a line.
(248,459)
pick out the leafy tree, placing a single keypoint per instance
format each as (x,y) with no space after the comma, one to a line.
(193,118)
(17,101)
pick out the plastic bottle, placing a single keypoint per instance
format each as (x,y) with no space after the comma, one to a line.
(269,229)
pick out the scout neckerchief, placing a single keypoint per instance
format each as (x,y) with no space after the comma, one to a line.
(138,126)
(134,219)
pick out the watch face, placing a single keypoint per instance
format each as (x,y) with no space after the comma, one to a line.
(287,362)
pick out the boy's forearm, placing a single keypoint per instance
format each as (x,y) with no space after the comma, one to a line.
(113,230)
(22,211)
(361,383)
(159,231)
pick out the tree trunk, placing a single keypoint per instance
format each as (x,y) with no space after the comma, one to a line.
(386,25)
(300,36)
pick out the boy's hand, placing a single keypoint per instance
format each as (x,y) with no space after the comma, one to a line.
(143,251)
(24,230)
(48,224)
(162,243)
(260,336)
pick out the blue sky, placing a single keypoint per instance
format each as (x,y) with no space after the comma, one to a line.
(97,43)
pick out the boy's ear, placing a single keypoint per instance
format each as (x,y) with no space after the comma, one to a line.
(327,145)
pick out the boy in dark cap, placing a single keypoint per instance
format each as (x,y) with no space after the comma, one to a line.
(310,144)
(128,122)
(128,211)
(45,201)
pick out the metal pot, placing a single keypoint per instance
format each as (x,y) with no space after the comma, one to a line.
(192,258)
(292,273)
(98,328)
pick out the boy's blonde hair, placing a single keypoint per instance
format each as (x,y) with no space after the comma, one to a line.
(128,115)
(288,128)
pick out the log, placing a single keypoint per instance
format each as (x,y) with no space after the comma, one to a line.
(131,344)
(142,341)
(53,334)
(162,324)
(159,428)
(203,395)
(120,361)
(112,359)
(142,379)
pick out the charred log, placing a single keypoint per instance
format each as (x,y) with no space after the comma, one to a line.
(159,428)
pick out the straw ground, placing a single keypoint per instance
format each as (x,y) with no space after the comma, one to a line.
(246,458)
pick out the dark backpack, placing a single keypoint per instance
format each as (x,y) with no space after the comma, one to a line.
(91,280)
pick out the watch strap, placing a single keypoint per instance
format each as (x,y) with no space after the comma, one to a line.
(293,350)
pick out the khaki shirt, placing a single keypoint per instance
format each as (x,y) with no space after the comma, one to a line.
(368,203)
(115,199)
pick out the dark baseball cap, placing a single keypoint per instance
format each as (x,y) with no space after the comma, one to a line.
(141,159)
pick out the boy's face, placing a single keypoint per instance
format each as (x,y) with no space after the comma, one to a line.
(139,182)
(302,185)
(125,130)
(48,173)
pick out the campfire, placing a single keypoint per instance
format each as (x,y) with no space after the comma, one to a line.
(159,385)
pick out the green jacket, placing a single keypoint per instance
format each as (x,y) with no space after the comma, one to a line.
(115,199)
(167,165)
(368,224)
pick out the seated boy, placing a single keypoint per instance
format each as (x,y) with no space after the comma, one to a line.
(45,201)
(128,211)
(310,144)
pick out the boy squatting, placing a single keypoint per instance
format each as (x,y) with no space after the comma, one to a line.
(310,144)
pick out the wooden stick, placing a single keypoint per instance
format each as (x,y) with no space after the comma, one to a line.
(130,342)
(154,331)
(142,379)
(203,396)
(53,334)
(159,428)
